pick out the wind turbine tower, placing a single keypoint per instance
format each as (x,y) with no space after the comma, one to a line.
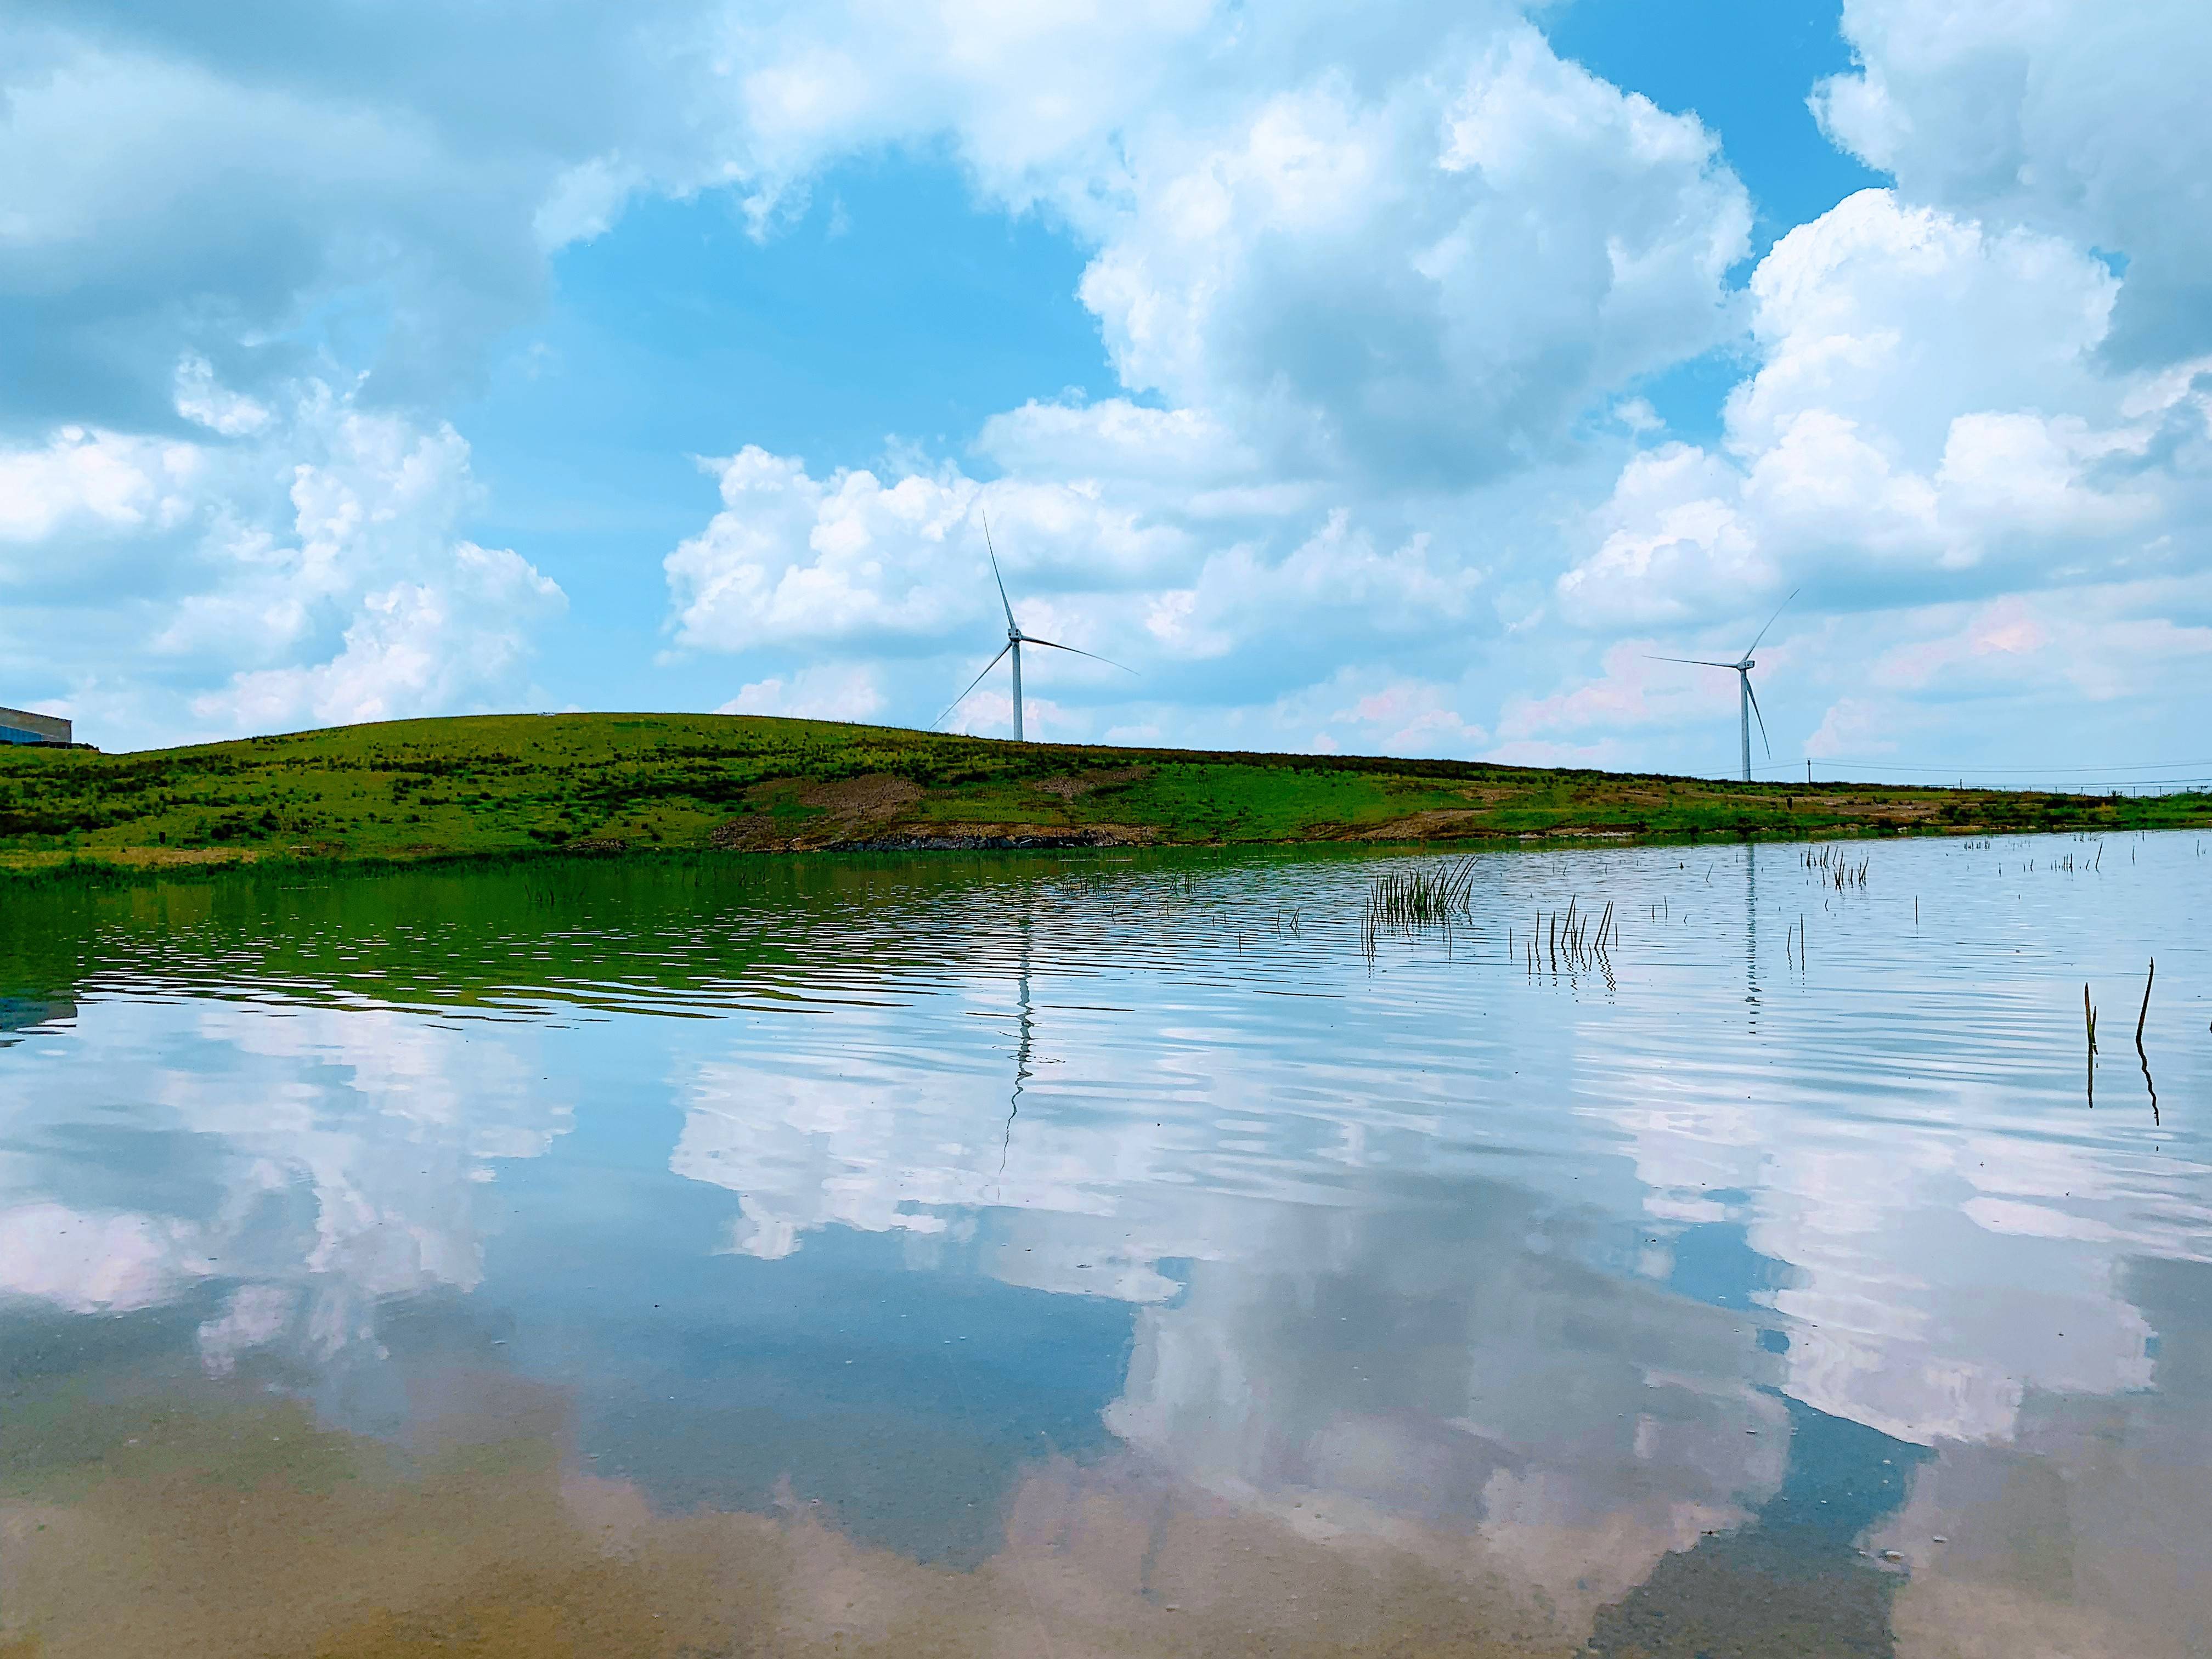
(1013,631)
(1016,639)
(1747,699)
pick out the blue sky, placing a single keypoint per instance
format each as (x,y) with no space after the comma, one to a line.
(1393,382)
(890,308)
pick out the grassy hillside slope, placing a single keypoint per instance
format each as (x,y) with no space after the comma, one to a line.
(512,784)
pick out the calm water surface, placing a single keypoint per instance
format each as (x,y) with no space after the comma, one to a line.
(1084,1257)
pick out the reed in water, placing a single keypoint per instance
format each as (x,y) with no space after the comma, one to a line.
(1405,900)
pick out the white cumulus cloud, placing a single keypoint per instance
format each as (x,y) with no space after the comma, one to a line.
(2063,115)
(1429,278)
(298,563)
(1932,421)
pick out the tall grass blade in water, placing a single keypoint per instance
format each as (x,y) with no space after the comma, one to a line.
(1572,939)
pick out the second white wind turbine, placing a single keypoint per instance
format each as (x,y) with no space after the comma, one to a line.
(1015,640)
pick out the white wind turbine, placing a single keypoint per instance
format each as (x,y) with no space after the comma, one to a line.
(1748,700)
(1015,640)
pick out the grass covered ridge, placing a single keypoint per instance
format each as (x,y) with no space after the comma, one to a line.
(510,784)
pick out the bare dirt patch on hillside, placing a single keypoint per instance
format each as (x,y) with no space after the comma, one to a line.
(1433,823)
(845,810)
(1068,788)
(872,794)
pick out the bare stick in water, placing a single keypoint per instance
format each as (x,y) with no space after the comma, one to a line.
(2089,1019)
(2140,1055)
(2148,1083)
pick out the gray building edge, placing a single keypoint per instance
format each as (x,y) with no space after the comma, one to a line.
(21,725)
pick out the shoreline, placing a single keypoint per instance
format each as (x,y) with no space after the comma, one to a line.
(65,869)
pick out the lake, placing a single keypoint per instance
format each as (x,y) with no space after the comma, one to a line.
(1070,1256)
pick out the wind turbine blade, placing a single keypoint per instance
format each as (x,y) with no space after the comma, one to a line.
(997,577)
(1700,662)
(1762,718)
(1778,610)
(1031,639)
(972,684)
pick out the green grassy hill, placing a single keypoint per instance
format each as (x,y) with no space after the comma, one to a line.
(515,784)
